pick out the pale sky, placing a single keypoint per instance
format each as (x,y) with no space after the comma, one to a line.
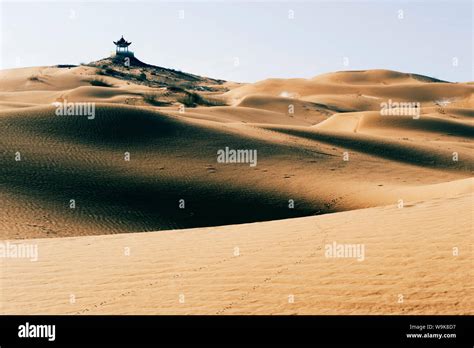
(432,38)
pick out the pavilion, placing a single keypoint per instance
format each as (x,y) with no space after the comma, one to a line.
(122,47)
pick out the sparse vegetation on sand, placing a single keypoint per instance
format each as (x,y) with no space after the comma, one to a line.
(142,76)
(66,66)
(152,99)
(192,99)
(141,73)
(34,78)
(100,83)
(107,71)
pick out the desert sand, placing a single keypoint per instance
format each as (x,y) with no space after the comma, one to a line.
(249,239)
(276,267)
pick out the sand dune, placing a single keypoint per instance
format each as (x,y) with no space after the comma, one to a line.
(310,113)
(151,146)
(373,84)
(82,159)
(277,267)
(42,78)
(373,77)
(173,157)
(301,146)
(229,114)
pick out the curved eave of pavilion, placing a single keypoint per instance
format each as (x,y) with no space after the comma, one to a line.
(122,44)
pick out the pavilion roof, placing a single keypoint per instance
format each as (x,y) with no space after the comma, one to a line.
(122,42)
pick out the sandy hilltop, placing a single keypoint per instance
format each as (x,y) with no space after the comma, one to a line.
(91,155)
